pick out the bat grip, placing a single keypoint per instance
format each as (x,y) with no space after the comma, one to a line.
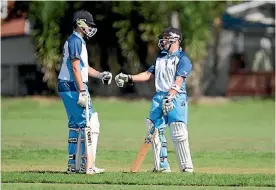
(87,111)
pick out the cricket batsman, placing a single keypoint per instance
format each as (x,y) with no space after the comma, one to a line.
(73,90)
(170,102)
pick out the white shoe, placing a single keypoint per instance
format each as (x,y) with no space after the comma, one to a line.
(162,170)
(188,170)
(94,170)
(166,170)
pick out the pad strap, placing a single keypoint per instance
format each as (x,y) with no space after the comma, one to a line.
(72,140)
(74,129)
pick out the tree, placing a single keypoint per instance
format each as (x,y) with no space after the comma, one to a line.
(195,20)
(137,26)
(46,34)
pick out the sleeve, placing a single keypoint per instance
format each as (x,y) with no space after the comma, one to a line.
(151,69)
(74,48)
(184,67)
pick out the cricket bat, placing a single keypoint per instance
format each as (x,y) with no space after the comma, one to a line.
(88,139)
(144,149)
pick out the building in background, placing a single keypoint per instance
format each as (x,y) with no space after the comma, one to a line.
(18,63)
(246,29)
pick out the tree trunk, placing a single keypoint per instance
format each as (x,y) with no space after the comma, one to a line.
(174,19)
(217,31)
(194,81)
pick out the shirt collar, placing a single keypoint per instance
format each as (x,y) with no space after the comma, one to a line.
(77,34)
(174,53)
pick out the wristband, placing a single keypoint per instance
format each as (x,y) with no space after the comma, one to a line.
(99,75)
(130,81)
(176,87)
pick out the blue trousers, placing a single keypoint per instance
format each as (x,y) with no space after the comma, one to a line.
(76,118)
(178,114)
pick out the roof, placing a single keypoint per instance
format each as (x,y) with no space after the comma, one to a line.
(235,9)
(15,27)
(254,11)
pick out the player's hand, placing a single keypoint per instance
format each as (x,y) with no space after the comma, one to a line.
(167,104)
(123,79)
(106,77)
(83,98)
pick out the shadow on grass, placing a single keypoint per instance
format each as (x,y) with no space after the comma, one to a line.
(43,172)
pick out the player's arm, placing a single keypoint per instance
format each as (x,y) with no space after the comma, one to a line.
(178,82)
(184,67)
(141,77)
(74,49)
(122,79)
(93,72)
(105,76)
(77,74)
(144,76)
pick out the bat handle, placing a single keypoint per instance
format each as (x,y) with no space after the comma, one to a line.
(87,111)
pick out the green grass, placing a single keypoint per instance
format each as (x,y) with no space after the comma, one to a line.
(225,140)
(179,179)
(21,186)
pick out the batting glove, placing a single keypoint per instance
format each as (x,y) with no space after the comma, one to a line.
(123,79)
(106,77)
(167,104)
(83,98)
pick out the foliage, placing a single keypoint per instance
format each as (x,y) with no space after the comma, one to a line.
(45,16)
(137,25)
(195,20)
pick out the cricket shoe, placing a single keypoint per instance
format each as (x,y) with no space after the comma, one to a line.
(94,170)
(71,170)
(162,170)
(188,170)
(82,170)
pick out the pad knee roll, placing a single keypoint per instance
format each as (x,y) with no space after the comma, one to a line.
(94,123)
(178,131)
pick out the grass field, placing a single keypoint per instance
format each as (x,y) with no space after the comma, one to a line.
(232,146)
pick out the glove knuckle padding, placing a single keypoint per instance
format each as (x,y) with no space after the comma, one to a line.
(178,131)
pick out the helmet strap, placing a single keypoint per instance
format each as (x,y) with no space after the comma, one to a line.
(169,47)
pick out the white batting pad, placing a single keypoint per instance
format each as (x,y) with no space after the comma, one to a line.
(156,145)
(94,121)
(95,130)
(78,152)
(179,135)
